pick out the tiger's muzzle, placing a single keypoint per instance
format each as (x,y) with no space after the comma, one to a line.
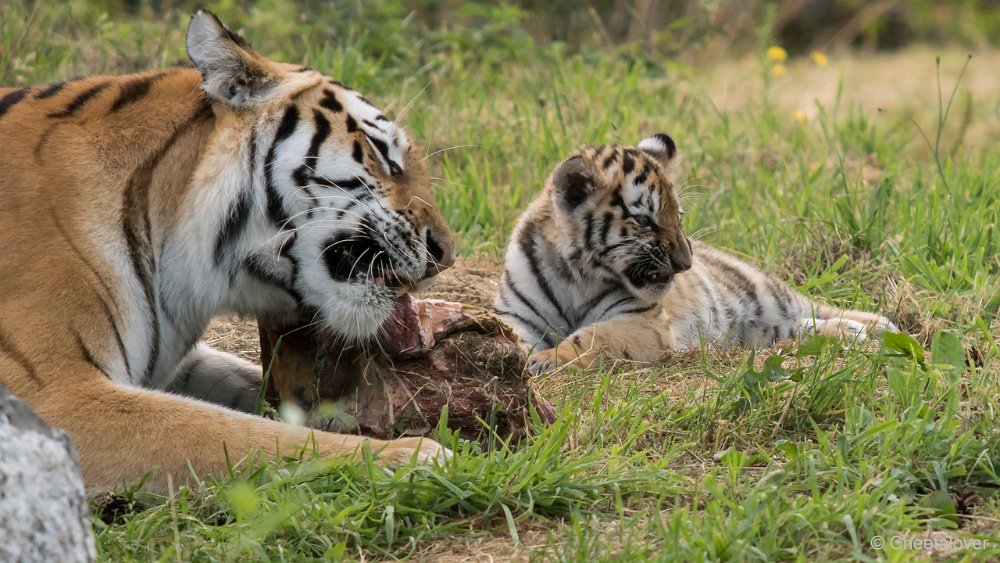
(659,265)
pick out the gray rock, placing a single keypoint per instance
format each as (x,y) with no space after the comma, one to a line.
(43,507)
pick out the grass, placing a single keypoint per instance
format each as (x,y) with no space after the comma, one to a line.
(803,452)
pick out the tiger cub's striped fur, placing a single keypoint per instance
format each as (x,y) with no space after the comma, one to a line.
(134,208)
(599,263)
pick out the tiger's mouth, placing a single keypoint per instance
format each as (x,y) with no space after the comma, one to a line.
(640,275)
(654,278)
(361,260)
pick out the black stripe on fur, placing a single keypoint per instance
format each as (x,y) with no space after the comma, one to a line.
(14,353)
(588,231)
(233,225)
(526,240)
(780,294)
(255,269)
(383,149)
(542,333)
(113,323)
(739,280)
(239,212)
(636,310)
(330,102)
(133,91)
(50,90)
(136,229)
(80,100)
(524,299)
(88,355)
(606,221)
(612,306)
(319,137)
(108,294)
(275,208)
(11,99)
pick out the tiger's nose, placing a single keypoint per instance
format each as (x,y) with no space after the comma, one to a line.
(681,256)
(442,254)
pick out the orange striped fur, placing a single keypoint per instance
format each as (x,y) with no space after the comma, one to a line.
(134,208)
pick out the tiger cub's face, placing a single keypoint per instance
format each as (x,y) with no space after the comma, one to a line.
(619,207)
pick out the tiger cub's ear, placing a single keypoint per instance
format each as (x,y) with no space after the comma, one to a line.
(233,72)
(661,146)
(573,182)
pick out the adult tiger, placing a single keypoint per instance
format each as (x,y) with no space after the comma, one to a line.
(134,208)
(599,263)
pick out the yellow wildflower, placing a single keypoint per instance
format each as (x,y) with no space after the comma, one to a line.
(799,116)
(818,59)
(777,54)
(778,70)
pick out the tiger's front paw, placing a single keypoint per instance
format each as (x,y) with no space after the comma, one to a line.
(545,361)
(423,451)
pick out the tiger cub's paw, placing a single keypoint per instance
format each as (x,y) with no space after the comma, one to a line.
(838,328)
(545,361)
(882,325)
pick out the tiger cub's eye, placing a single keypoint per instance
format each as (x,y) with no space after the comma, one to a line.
(643,221)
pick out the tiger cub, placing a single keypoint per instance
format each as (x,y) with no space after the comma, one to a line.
(135,208)
(599,263)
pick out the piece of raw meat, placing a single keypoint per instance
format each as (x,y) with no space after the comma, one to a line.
(430,354)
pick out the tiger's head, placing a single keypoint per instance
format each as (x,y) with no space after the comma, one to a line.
(619,207)
(335,216)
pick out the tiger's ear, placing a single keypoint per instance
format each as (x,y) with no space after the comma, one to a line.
(661,146)
(573,182)
(232,71)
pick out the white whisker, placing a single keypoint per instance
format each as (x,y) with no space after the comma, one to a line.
(439,151)
(402,113)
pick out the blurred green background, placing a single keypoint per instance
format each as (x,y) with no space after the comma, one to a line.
(415,34)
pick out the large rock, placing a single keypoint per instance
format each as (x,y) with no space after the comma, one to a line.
(43,507)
